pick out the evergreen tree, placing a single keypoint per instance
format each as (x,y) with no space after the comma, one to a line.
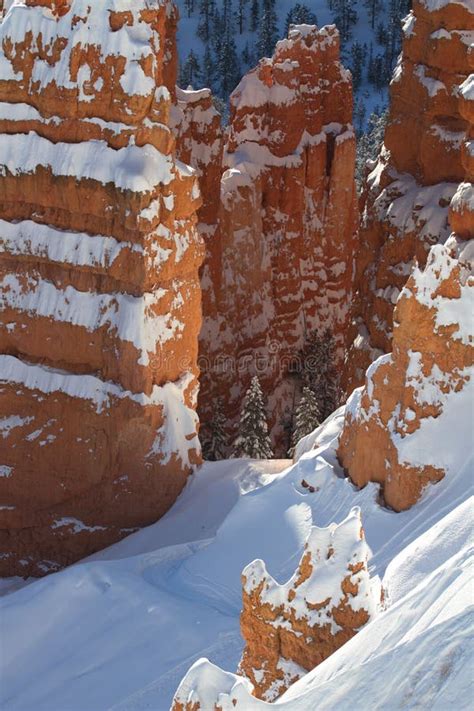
(216,32)
(253,440)
(254,15)
(359,116)
(268,32)
(215,445)
(307,417)
(208,72)
(373,6)
(369,144)
(345,17)
(357,62)
(318,370)
(190,71)
(300,14)
(228,63)
(241,4)
(206,14)
(246,55)
(189,5)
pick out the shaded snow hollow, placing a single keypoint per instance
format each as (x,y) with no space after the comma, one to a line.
(121,629)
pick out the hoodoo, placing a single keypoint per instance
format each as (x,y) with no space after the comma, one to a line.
(420,167)
(289,629)
(424,388)
(99,286)
(282,266)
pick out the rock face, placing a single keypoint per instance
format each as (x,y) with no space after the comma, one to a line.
(420,390)
(405,207)
(289,629)
(424,387)
(280,257)
(197,126)
(99,287)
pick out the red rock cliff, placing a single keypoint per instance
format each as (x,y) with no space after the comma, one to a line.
(408,193)
(280,259)
(424,389)
(99,287)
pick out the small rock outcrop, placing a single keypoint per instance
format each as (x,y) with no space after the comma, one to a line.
(291,628)
(424,388)
(281,264)
(99,286)
(409,190)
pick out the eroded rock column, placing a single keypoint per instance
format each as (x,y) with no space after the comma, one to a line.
(280,260)
(99,286)
(409,190)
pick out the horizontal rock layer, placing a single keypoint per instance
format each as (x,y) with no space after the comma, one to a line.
(99,284)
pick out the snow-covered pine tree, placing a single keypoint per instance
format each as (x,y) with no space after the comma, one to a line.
(253,440)
(190,72)
(368,145)
(215,444)
(300,14)
(307,417)
(268,32)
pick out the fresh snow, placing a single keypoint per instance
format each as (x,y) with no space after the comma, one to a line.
(136,168)
(75,248)
(137,319)
(178,434)
(137,43)
(121,629)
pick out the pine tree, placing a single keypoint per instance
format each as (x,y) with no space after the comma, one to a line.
(206,14)
(373,6)
(300,14)
(318,370)
(268,33)
(345,17)
(369,144)
(253,440)
(307,417)
(189,5)
(241,4)
(254,15)
(208,72)
(190,71)
(228,63)
(357,62)
(215,445)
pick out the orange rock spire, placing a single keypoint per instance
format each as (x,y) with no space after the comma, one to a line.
(405,206)
(99,287)
(424,387)
(280,248)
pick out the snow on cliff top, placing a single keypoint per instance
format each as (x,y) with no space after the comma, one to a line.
(171,594)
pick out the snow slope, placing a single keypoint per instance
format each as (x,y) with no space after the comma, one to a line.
(121,629)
